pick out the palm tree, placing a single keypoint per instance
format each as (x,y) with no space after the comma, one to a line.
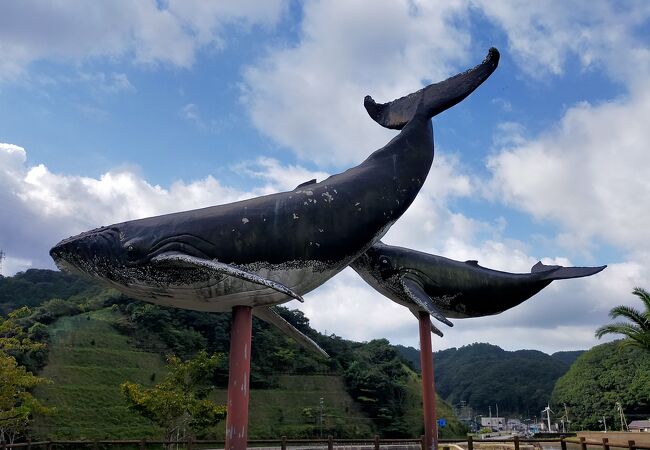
(637,330)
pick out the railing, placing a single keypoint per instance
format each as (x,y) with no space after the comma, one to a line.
(330,442)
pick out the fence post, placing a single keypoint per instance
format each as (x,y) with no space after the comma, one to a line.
(49,444)
(143,444)
(423,443)
(95,445)
(631,445)
(605,444)
(562,443)
(470,443)
(283,443)
(330,442)
(29,443)
(516,442)
(376,442)
(189,443)
(583,444)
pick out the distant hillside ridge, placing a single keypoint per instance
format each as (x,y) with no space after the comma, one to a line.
(568,357)
(483,375)
(35,286)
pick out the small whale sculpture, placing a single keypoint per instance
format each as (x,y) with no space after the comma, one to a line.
(446,288)
(268,250)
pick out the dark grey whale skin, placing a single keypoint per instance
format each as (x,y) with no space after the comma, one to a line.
(298,238)
(457,289)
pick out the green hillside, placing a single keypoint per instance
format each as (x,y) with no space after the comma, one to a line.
(599,378)
(568,357)
(98,339)
(35,286)
(518,381)
(87,361)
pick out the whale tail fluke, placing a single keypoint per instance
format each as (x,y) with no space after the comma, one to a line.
(563,273)
(435,98)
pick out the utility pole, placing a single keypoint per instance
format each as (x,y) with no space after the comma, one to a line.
(321,416)
(566,416)
(2,257)
(490,413)
(621,415)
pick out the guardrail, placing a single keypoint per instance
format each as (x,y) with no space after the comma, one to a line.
(283,443)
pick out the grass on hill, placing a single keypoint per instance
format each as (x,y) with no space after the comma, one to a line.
(88,359)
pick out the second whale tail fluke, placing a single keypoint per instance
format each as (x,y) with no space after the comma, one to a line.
(436,98)
(563,273)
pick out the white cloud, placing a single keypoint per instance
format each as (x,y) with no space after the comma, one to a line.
(586,174)
(277,177)
(40,207)
(345,51)
(544,36)
(147,31)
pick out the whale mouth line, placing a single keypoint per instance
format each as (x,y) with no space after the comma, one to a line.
(185,238)
(173,244)
(419,275)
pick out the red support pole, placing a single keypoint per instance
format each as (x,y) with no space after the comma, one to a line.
(428,386)
(238,378)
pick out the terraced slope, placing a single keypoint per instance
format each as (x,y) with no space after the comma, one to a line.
(88,360)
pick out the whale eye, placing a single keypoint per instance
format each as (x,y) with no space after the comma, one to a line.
(385,263)
(133,248)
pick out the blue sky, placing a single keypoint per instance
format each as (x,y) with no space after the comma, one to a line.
(116,110)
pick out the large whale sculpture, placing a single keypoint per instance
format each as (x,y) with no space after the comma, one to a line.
(446,288)
(268,250)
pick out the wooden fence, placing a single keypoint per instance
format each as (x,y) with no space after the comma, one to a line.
(329,442)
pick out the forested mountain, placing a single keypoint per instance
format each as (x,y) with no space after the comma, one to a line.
(568,357)
(33,287)
(97,338)
(519,382)
(599,378)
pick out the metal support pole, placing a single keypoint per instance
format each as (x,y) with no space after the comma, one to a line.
(238,378)
(428,385)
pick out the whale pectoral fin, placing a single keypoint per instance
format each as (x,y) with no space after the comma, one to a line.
(182,259)
(434,98)
(563,273)
(434,329)
(270,315)
(416,294)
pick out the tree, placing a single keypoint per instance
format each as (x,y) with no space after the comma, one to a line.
(179,401)
(17,342)
(637,329)
(601,377)
(16,403)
